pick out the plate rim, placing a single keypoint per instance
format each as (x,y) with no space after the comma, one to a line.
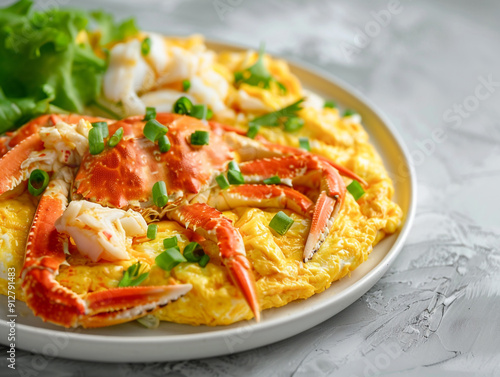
(358,289)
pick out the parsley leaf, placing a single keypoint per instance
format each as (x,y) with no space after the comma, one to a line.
(131,277)
(279,117)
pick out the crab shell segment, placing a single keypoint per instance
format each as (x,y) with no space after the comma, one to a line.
(126,173)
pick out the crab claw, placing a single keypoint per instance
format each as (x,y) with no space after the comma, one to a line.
(311,171)
(58,304)
(211,224)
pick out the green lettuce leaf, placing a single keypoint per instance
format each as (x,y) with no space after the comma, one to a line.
(40,50)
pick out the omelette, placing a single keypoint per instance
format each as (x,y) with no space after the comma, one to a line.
(178,67)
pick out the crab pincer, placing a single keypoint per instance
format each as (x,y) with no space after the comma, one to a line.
(307,170)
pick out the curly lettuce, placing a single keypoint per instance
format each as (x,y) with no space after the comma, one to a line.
(47,61)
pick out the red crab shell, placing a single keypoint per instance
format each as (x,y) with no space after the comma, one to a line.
(128,171)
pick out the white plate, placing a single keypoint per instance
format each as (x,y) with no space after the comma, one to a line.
(133,343)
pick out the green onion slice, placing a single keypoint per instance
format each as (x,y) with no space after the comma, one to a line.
(304,143)
(146,46)
(235,177)
(349,112)
(150,113)
(152,230)
(193,252)
(164,143)
(222,181)
(186,84)
(169,259)
(233,166)
(204,260)
(272,181)
(356,189)
(160,197)
(38,181)
(131,277)
(170,242)
(153,130)
(115,139)
(103,126)
(183,106)
(199,111)
(330,105)
(252,131)
(294,124)
(96,141)
(200,138)
(281,223)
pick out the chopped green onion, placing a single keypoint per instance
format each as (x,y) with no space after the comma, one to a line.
(294,124)
(349,112)
(204,260)
(103,126)
(235,177)
(201,112)
(164,144)
(169,259)
(222,181)
(272,181)
(153,130)
(304,143)
(252,131)
(152,230)
(38,181)
(330,105)
(146,46)
(183,106)
(355,189)
(115,139)
(200,138)
(233,166)
(193,252)
(96,141)
(150,113)
(186,84)
(170,242)
(160,197)
(281,223)
(131,277)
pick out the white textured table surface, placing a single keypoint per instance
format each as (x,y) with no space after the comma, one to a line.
(434,68)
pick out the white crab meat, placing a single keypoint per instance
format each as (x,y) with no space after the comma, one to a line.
(137,81)
(163,100)
(100,232)
(64,145)
(127,73)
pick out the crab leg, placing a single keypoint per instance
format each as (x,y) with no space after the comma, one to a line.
(261,196)
(211,224)
(57,304)
(311,171)
(262,148)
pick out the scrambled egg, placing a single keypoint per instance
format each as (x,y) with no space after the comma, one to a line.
(280,274)
(17,208)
